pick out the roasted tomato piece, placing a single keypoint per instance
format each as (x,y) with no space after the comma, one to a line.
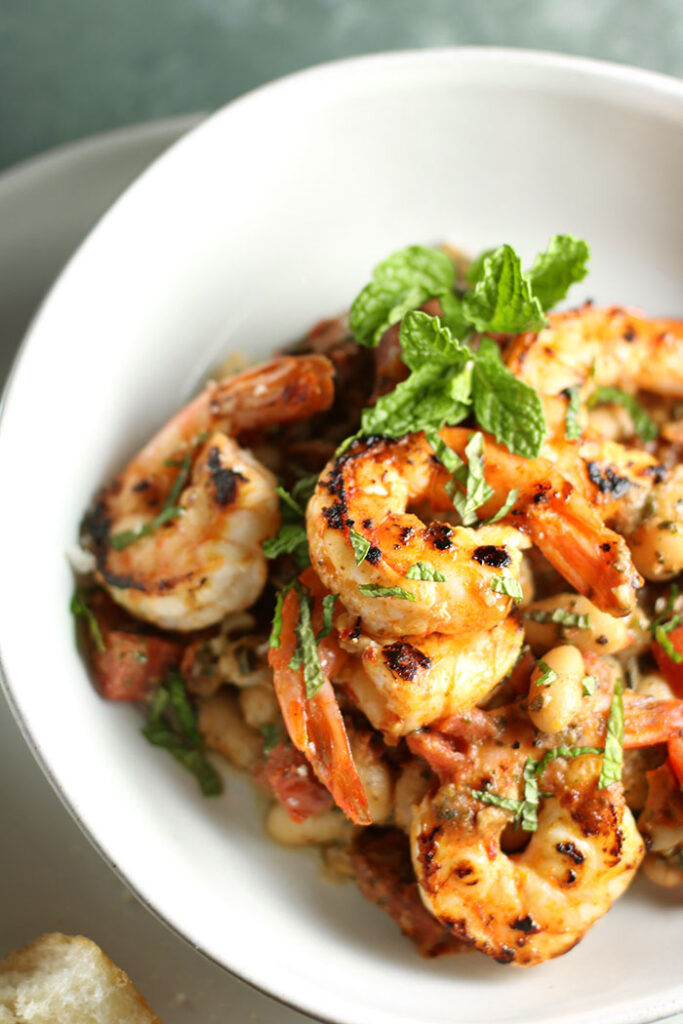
(384,873)
(133,665)
(291,778)
(672,672)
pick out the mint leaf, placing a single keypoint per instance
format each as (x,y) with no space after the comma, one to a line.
(572,430)
(568,752)
(430,397)
(424,571)
(290,538)
(477,491)
(571,620)
(79,608)
(178,733)
(403,281)
(506,802)
(476,268)
(504,508)
(372,590)
(528,815)
(554,271)
(360,545)
(276,628)
(307,649)
(501,299)
(613,757)
(271,736)
(548,675)
(589,683)
(425,339)
(329,602)
(508,585)
(444,453)
(505,406)
(644,427)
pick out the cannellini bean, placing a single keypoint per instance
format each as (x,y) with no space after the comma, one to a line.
(327,827)
(411,785)
(224,730)
(657,543)
(605,634)
(375,776)
(553,704)
(259,705)
(654,685)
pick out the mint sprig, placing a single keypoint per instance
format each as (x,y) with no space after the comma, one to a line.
(403,281)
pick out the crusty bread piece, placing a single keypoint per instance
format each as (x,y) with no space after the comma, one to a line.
(59,979)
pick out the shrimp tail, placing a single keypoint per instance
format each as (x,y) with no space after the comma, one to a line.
(315,724)
(286,389)
(574,539)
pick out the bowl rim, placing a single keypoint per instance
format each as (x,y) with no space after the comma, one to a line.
(646,83)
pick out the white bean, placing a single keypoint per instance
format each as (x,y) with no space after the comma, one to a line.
(221,724)
(553,703)
(326,827)
(604,634)
(259,705)
(411,785)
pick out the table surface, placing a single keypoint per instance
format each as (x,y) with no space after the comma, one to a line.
(75,67)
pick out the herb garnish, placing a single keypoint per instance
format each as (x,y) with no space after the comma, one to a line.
(508,585)
(371,590)
(170,509)
(271,736)
(448,376)
(613,758)
(589,683)
(306,652)
(80,609)
(361,546)
(425,572)
(291,538)
(548,675)
(665,623)
(526,810)
(572,620)
(572,429)
(644,427)
(172,724)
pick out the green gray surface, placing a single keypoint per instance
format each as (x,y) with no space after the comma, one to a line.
(69,68)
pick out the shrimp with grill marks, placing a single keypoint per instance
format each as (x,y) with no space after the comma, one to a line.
(369,490)
(529,906)
(403,684)
(177,536)
(592,347)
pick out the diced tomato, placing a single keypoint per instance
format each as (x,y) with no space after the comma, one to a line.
(132,665)
(675,748)
(295,786)
(672,672)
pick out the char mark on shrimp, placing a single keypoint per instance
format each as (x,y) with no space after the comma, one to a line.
(526,924)
(405,661)
(440,536)
(607,480)
(491,554)
(224,480)
(570,850)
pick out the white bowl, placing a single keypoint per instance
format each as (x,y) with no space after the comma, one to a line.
(267,217)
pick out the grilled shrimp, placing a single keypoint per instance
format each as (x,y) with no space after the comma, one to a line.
(369,489)
(177,536)
(528,906)
(315,724)
(404,684)
(592,347)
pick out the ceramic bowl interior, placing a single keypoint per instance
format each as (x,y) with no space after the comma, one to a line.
(266,218)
